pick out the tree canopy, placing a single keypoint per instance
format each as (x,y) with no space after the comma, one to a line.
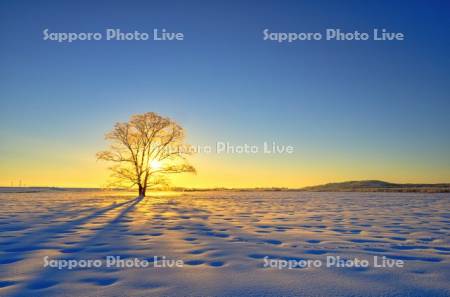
(144,150)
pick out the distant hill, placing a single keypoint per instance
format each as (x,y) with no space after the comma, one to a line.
(378,186)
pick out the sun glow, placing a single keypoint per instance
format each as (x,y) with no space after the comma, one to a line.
(155,164)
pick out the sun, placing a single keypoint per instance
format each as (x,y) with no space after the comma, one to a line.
(155,164)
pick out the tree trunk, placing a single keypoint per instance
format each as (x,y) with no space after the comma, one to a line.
(141,191)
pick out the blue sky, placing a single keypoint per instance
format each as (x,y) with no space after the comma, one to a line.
(355,104)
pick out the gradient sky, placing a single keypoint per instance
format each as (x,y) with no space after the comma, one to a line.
(352,110)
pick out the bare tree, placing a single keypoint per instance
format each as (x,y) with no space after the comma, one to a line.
(144,150)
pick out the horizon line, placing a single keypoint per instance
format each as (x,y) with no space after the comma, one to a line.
(230,188)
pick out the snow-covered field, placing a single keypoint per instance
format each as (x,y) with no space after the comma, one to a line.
(225,240)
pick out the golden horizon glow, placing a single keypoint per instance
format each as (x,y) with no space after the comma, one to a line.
(80,169)
(155,164)
(64,165)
